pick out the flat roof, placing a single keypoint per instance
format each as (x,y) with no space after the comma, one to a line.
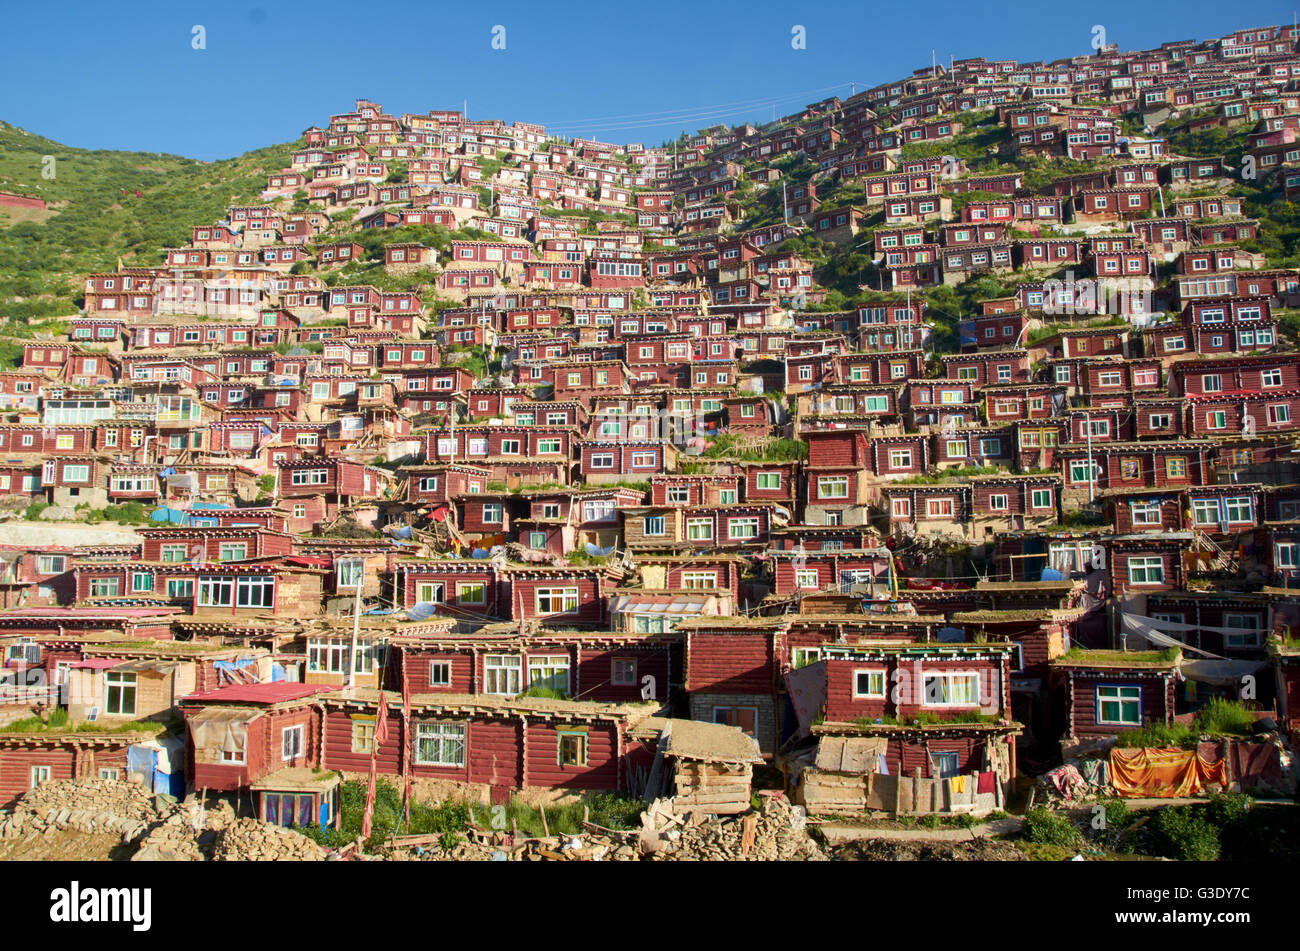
(275,692)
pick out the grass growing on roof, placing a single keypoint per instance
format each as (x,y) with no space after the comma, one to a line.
(545,693)
(1079,655)
(1225,717)
(59,723)
(926,718)
(1158,735)
(947,475)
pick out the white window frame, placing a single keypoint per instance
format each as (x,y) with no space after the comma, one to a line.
(948,677)
(1148,563)
(873,677)
(1122,694)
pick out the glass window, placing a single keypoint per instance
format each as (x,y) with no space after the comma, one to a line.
(501,674)
(952,690)
(1119,706)
(120,691)
(868,683)
(440,744)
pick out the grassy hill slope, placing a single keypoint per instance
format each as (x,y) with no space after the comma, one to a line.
(90,222)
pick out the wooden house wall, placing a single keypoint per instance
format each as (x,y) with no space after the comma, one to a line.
(1157,699)
(65,762)
(541,759)
(729,663)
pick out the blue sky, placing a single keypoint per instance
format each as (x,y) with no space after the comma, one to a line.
(125,76)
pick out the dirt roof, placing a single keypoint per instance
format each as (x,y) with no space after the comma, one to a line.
(272,692)
(710,742)
(633,712)
(298,778)
(54,535)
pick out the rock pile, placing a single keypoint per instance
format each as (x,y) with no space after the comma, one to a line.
(250,840)
(187,834)
(162,829)
(778,833)
(85,805)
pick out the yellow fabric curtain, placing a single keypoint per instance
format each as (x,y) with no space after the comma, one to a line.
(1163,773)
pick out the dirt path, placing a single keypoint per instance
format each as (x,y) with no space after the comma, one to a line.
(839,833)
(64,845)
(883,850)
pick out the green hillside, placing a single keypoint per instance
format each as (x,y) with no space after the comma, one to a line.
(90,223)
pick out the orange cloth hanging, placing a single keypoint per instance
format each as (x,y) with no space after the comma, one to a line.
(1163,773)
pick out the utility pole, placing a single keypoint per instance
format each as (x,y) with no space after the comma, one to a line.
(1091,472)
(356,629)
(899,342)
(785,202)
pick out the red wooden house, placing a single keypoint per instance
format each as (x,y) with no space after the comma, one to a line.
(1108,692)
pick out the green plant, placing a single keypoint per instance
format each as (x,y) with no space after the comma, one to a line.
(1043,827)
(610,810)
(1222,716)
(57,720)
(616,811)
(1185,834)
(546,693)
(388,816)
(128,513)
(1157,735)
(1227,809)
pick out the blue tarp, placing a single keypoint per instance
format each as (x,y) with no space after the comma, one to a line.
(172,784)
(277,672)
(230,666)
